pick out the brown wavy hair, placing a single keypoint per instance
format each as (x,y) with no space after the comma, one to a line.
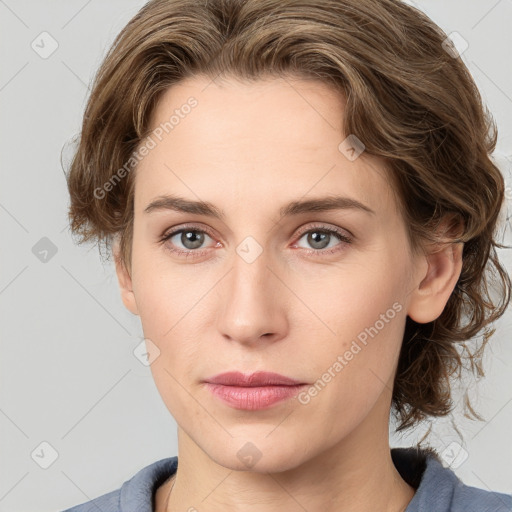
(409,98)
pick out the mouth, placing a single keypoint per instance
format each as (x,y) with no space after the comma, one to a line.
(256,379)
(259,390)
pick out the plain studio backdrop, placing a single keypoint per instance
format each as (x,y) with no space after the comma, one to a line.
(79,412)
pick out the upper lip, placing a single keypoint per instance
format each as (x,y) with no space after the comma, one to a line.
(252,380)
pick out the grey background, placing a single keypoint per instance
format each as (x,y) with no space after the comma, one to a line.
(68,374)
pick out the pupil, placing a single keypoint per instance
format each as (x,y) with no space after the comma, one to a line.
(315,235)
(192,239)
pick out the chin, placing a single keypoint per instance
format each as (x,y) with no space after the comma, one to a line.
(259,454)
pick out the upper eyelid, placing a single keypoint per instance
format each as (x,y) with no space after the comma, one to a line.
(174,231)
(324,227)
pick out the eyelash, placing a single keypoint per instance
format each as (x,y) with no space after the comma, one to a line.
(312,252)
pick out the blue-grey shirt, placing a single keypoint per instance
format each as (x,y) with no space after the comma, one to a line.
(437,488)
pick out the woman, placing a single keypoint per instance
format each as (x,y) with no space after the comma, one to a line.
(288,190)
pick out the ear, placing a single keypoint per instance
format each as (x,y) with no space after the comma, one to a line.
(125,281)
(444,265)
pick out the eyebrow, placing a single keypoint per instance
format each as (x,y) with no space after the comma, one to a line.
(321,204)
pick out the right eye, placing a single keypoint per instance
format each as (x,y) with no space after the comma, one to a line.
(190,238)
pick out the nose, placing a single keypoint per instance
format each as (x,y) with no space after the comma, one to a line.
(252,300)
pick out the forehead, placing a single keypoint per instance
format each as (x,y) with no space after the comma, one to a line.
(261,142)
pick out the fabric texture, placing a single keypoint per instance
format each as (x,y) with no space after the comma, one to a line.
(438,489)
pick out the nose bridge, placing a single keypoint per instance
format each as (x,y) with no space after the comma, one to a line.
(250,296)
(251,276)
(250,260)
(250,280)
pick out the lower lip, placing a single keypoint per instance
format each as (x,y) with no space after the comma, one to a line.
(253,398)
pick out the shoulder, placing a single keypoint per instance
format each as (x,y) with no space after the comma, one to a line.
(136,494)
(472,499)
(107,503)
(439,489)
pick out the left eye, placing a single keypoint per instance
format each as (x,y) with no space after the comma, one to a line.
(320,238)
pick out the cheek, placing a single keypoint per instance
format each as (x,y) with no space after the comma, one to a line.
(166,292)
(355,327)
(174,302)
(352,362)
(349,299)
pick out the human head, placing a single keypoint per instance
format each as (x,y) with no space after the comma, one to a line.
(409,101)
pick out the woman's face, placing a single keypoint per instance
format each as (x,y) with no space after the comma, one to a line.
(273,281)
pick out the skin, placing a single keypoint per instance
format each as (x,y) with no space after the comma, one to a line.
(250,148)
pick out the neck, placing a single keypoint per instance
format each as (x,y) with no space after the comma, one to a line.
(356,475)
(369,487)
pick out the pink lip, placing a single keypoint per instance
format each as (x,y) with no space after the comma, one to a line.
(258,390)
(252,380)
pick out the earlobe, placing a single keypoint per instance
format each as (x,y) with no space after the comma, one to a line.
(125,283)
(430,296)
